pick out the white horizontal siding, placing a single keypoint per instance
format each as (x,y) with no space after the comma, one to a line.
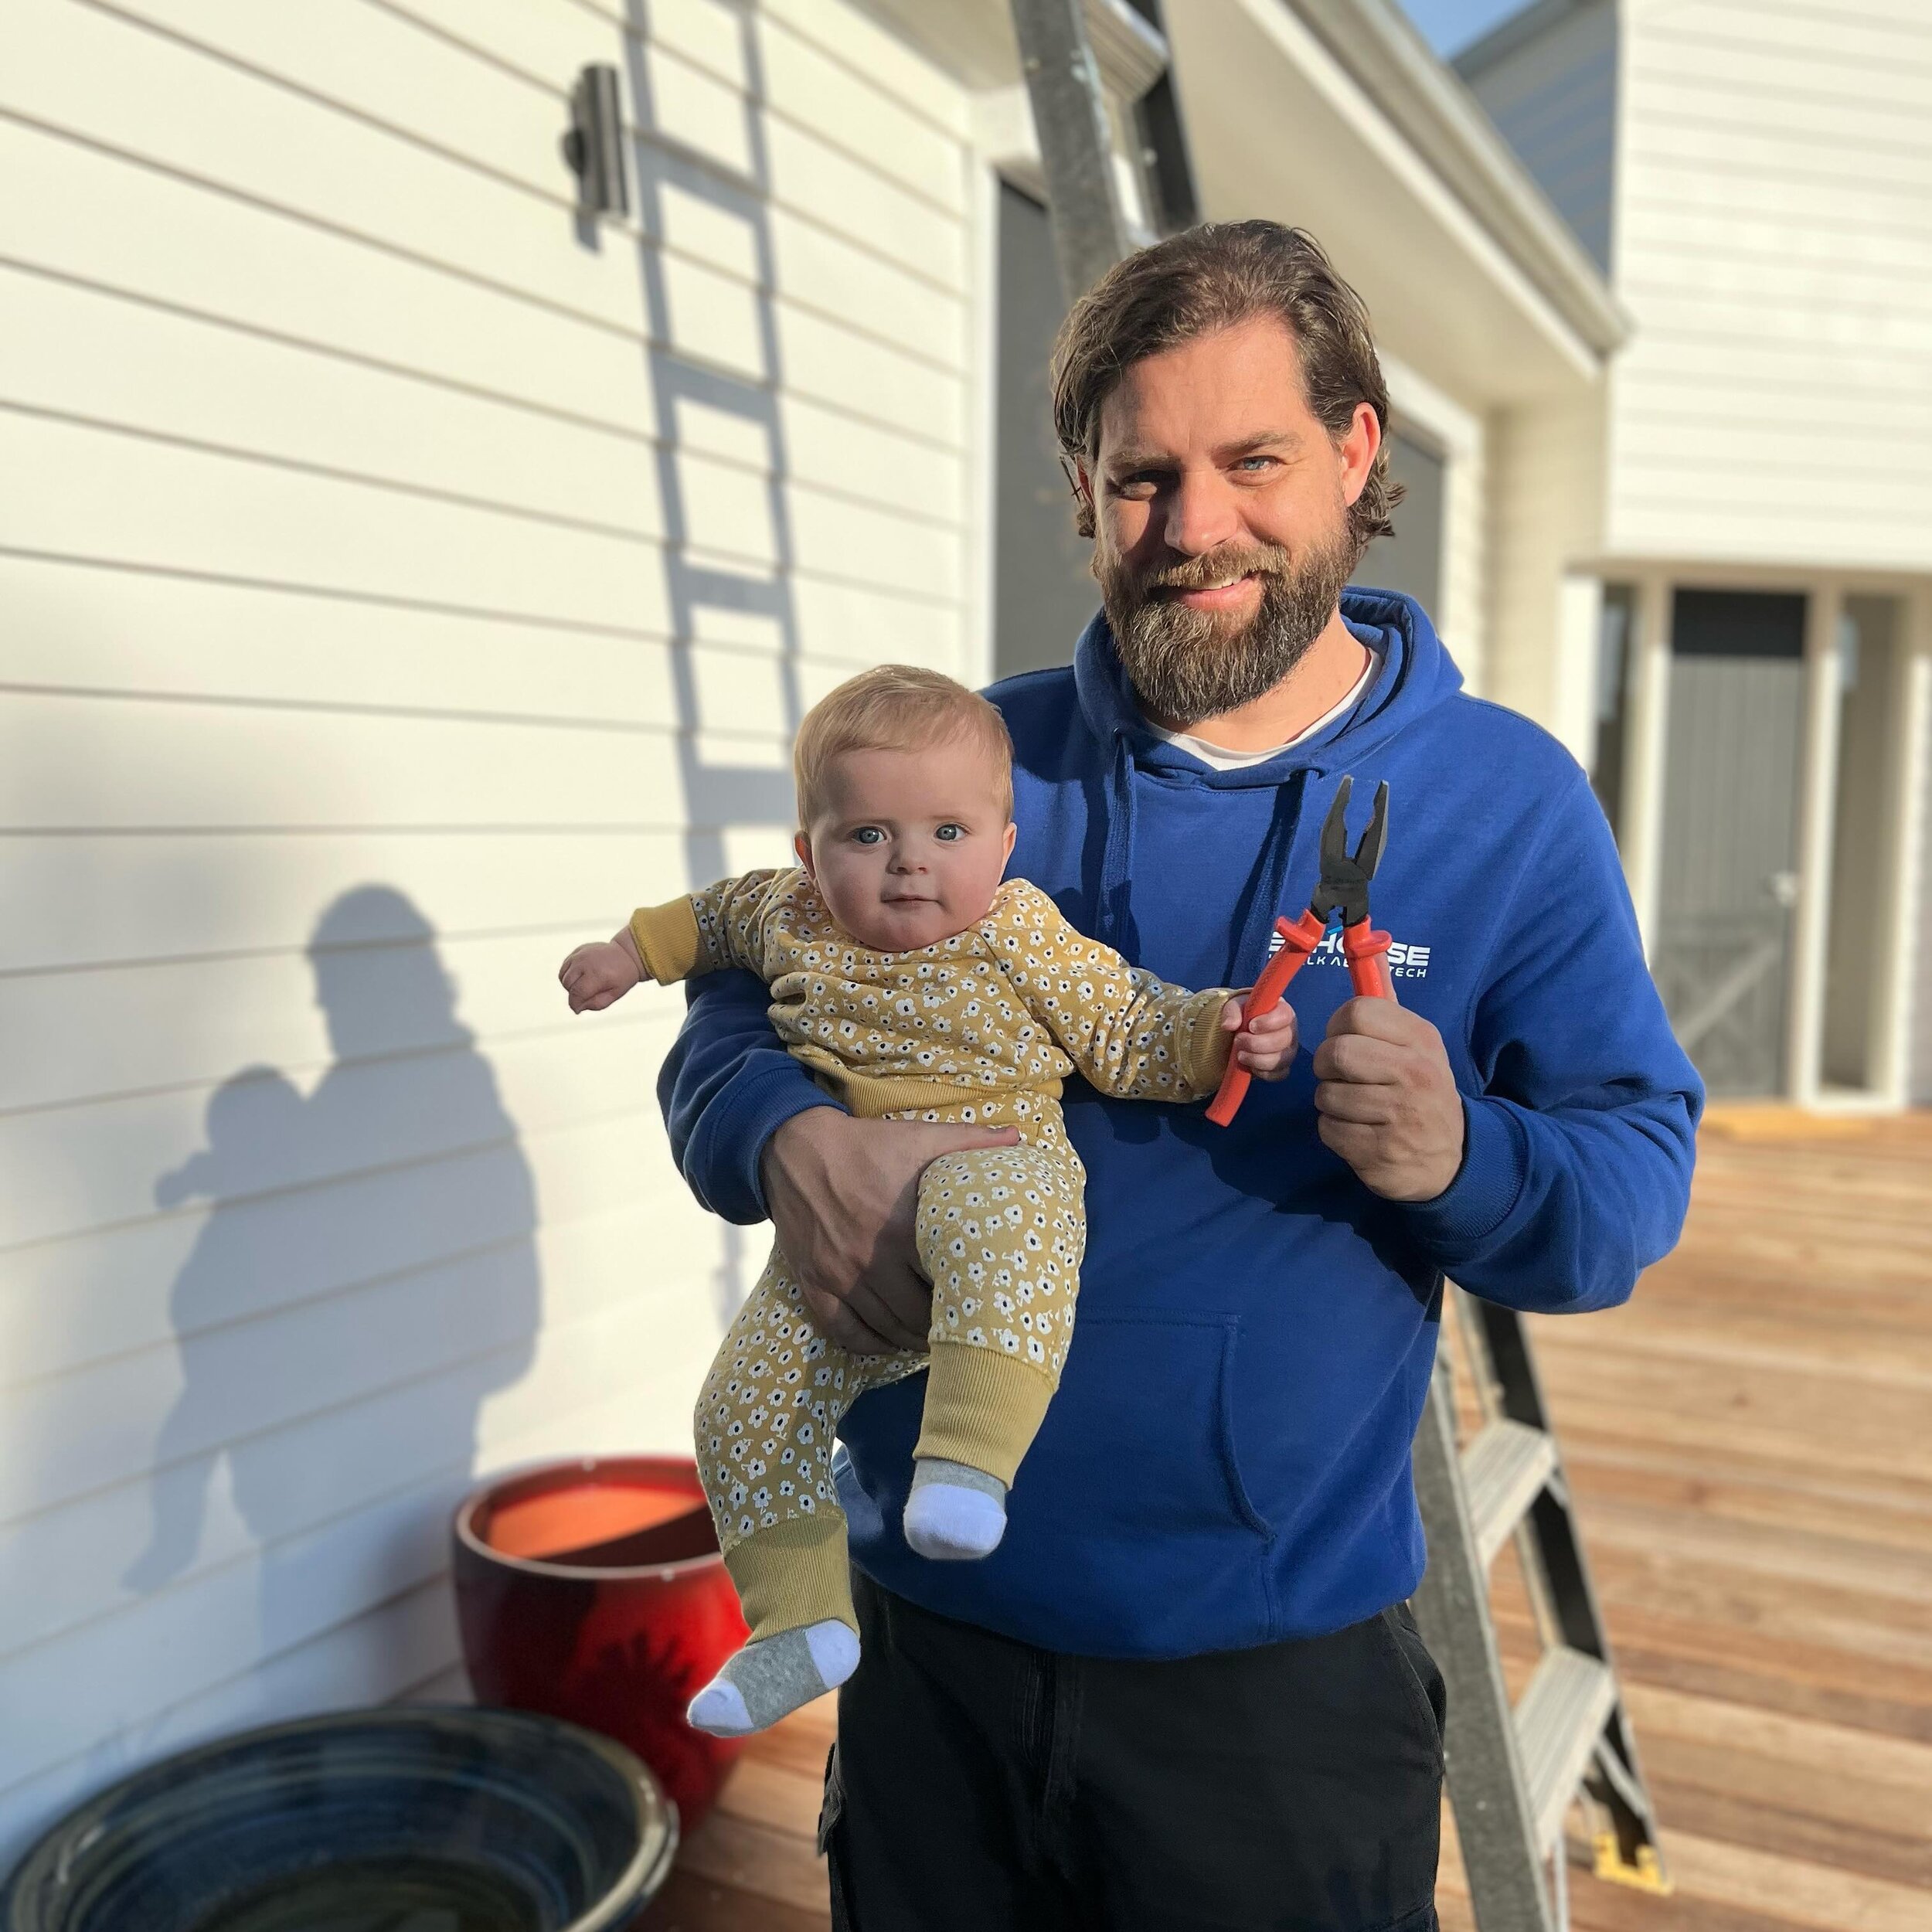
(1775,236)
(400,583)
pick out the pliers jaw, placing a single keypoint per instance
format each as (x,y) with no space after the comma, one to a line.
(1344,885)
(1343,889)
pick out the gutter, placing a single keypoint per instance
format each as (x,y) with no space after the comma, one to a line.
(1375,43)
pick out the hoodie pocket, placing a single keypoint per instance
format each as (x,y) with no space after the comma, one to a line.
(1140,1438)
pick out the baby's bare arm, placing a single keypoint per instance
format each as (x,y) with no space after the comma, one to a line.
(600,972)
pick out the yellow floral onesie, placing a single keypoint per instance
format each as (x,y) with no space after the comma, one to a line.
(980,1028)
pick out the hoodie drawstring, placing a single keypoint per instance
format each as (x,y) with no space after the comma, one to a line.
(1270,881)
(1117,865)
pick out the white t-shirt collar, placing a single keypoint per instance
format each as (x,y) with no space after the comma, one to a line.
(1218,758)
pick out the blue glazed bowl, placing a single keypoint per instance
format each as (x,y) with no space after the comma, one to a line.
(407,1820)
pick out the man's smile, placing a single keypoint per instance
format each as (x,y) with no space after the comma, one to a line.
(1220,595)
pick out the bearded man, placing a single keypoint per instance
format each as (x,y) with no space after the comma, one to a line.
(1185,1691)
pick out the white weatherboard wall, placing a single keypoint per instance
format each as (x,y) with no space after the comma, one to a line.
(398,582)
(1774,244)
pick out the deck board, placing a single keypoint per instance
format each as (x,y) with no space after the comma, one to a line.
(1747,1444)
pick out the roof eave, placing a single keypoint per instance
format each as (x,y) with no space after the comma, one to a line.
(1385,55)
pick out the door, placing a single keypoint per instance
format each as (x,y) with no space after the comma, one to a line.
(1410,558)
(1042,591)
(1728,877)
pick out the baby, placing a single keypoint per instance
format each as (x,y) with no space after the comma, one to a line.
(917,986)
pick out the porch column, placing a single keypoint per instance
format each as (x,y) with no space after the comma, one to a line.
(1575,675)
(1646,722)
(1912,689)
(1818,795)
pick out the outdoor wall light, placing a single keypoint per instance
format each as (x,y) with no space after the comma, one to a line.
(594,146)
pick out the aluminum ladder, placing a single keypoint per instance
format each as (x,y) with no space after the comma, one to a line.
(1513,1774)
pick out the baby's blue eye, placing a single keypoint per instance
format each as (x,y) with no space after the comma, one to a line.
(950,833)
(868,835)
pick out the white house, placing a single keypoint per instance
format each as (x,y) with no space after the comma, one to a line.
(402,574)
(1753,177)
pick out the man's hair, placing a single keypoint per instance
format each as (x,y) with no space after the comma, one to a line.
(1209,278)
(897,707)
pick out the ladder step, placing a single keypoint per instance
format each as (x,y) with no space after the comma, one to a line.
(1503,1472)
(1558,1719)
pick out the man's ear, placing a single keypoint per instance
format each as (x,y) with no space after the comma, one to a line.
(801,845)
(1357,450)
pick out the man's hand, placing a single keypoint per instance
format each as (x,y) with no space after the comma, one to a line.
(844,1197)
(1388,1101)
(1264,1045)
(601,972)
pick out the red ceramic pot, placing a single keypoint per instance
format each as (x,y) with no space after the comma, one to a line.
(594,1591)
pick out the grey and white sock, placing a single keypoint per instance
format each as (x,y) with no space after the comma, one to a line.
(955,1513)
(773,1676)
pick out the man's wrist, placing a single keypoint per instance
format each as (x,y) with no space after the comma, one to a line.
(1486,1184)
(803,1123)
(724,1158)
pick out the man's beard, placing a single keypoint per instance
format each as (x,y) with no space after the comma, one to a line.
(1185,665)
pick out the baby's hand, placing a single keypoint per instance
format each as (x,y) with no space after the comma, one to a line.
(597,974)
(1266,1044)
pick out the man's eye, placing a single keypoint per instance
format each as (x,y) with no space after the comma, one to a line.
(1256,463)
(868,835)
(949,835)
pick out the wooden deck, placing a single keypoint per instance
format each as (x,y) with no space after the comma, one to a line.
(1749,1445)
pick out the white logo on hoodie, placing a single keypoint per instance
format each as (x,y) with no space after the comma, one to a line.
(1406,960)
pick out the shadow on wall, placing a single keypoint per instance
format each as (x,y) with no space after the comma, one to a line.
(728,586)
(729,589)
(366,1277)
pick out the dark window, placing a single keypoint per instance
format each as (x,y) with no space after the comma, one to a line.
(1042,593)
(1737,624)
(1615,634)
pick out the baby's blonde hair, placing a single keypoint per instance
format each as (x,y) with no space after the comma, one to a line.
(895,707)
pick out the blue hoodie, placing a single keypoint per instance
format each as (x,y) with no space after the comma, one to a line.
(1226,1461)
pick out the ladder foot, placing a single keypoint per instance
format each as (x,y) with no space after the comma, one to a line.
(1646,1874)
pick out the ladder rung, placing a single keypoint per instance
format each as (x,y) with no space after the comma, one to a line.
(1558,1720)
(1503,1472)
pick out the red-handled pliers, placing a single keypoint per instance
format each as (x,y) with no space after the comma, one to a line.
(1343,889)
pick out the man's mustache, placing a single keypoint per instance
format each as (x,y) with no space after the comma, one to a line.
(1218,567)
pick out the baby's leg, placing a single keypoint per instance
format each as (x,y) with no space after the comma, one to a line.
(765,1425)
(1001,1232)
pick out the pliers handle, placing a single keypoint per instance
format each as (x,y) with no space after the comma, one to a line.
(1299,938)
(1343,890)
(1367,953)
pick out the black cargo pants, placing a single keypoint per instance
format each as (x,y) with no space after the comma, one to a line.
(981,1785)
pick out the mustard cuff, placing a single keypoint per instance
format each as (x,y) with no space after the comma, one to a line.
(1206,1048)
(983,1408)
(668,941)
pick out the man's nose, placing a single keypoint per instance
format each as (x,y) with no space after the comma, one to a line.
(1201,514)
